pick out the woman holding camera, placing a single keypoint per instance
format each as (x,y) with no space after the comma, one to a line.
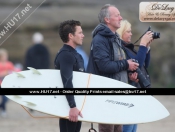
(142,56)
(143,53)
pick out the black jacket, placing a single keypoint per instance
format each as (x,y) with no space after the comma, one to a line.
(68,60)
(37,57)
(101,59)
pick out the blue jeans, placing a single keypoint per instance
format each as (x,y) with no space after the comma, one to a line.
(130,128)
(3,103)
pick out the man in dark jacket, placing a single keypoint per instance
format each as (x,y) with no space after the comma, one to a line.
(107,57)
(103,61)
(37,56)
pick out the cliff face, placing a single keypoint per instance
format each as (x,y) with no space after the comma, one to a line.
(47,17)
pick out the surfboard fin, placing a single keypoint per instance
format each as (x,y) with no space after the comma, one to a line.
(29,103)
(19,75)
(35,71)
(17,96)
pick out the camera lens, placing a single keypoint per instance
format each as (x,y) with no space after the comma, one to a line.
(156,35)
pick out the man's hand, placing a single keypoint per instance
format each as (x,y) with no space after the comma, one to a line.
(133,77)
(73,114)
(146,38)
(132,65)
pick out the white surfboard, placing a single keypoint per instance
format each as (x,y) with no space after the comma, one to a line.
(107,109)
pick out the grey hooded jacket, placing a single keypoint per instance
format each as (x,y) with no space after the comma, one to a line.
(105,58)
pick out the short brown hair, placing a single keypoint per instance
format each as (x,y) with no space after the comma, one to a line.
(67,27)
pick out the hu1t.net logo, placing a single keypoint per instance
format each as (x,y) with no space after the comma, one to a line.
(157,12)
(16,18)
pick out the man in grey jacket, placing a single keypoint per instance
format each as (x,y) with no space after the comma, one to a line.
(107,57)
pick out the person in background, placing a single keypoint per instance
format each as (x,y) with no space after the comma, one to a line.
(80,50)
(6,67)
(18,67)
(37,56)
(142,55)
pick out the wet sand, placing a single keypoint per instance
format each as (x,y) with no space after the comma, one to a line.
(18,120)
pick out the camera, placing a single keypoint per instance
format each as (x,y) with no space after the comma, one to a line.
(156,35)
(143,81)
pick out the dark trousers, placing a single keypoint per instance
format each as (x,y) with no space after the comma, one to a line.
(110,128)
(3,103)
(68,126)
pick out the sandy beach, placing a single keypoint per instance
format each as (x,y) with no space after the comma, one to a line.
(18,120)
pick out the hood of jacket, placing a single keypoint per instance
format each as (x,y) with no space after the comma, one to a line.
(103,30)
